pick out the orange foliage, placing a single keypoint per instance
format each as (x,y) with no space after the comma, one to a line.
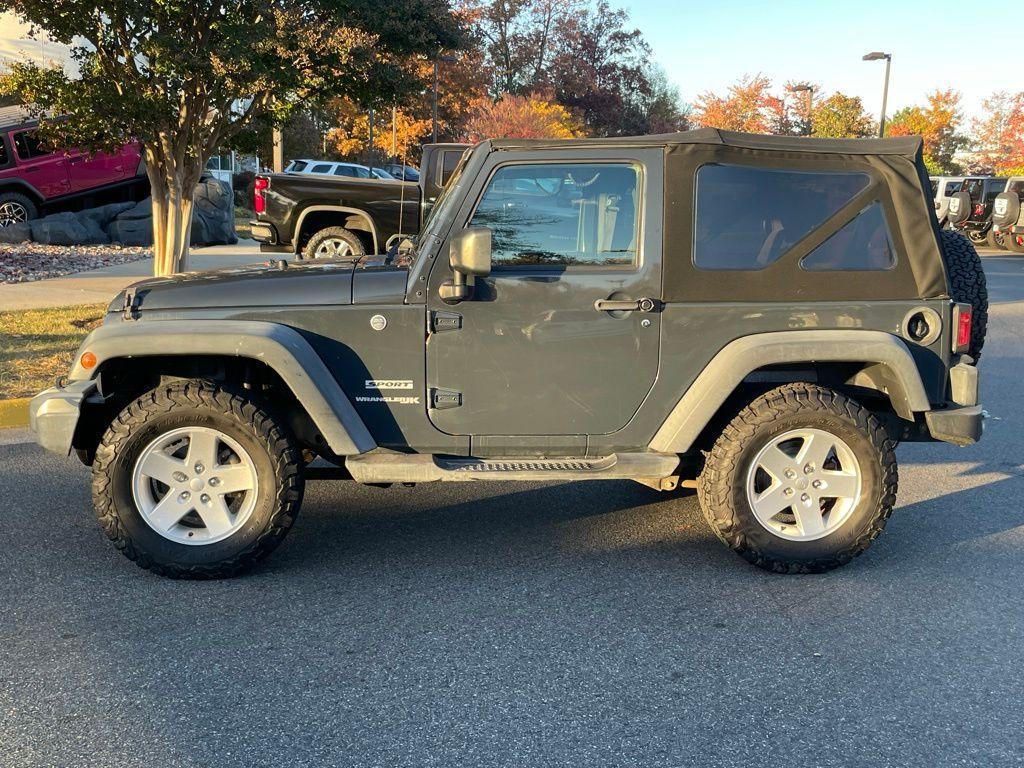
(520,117)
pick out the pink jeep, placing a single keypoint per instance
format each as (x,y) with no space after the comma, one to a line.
(36,179)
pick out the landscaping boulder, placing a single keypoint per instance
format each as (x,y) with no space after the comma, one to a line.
(19,232)
(68,229)
(213,218)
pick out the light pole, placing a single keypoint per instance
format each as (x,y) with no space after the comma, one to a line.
(878,56)
(438,58)
(809,89)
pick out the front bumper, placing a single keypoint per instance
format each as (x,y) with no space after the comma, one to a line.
(54,413)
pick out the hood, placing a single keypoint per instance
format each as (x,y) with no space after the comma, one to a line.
(297,284)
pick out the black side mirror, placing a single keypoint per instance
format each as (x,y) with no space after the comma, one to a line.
(470,257)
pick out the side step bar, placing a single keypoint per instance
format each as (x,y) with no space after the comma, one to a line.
(380,467)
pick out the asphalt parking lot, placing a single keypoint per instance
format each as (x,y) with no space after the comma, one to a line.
(590,624)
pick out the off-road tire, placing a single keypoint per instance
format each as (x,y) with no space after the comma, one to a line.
(197,403)
(1014,243)
(721,487)
(336,233)
(967,284)
(993,240)
(31,210)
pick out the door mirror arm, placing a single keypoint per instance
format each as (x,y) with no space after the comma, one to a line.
(469,257)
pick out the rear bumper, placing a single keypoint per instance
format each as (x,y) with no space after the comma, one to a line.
(960,426)
(263,231)
(961,421)
(54,414)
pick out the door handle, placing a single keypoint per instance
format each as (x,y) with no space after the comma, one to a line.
(617,305)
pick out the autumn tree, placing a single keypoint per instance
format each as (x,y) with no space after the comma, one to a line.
(185,77)
(999,133)
(748,106)
(583,53)
(398,138)
(520,117)
(841,117)
(938,123)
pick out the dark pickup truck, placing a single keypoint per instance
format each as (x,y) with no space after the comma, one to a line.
(317,216)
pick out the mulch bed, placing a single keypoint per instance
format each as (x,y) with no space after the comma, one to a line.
(28,262)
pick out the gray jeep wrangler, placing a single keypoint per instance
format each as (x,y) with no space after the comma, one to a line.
(763,319)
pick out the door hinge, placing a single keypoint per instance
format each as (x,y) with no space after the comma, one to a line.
(445,398)
(445,321)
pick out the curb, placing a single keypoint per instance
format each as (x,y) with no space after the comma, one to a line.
(14,413)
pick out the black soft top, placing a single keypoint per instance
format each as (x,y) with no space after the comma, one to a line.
(898,181)
(904,146)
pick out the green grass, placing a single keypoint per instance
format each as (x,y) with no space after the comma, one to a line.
(36,345)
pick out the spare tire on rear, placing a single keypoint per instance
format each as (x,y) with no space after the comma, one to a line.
(967,284)
(959,208)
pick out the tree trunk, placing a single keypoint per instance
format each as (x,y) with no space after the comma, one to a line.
(173,190)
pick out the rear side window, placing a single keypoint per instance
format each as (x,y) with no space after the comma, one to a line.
(449,161)
(746,218)
(322,168)
(29,146)
(344,170)
(993,188)
(864,244)
(952,188)
(1016,186)
(5,156)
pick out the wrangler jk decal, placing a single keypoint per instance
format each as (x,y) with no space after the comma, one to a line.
(401,399)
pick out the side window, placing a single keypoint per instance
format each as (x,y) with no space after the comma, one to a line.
(5,156)
(298,166)
(1016,186)
(566,214)
(343,170)
(864,244)
(362,173)
(746,218)
(321,168)
(449,161)
(952,188)
(935,187)
(29,146)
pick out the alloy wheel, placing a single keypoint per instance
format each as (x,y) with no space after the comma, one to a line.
(195,485)
(12,212)
(804,484)
(332,248)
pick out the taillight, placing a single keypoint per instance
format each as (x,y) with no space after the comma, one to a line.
(963,316)
(259,188)
(979,209)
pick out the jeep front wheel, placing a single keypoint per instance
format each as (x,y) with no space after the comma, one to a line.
(196,481)
(15,209)
(801,481)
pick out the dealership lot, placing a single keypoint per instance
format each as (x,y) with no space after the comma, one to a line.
(465,624)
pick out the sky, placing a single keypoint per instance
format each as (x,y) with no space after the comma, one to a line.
(706,45)
(939,44)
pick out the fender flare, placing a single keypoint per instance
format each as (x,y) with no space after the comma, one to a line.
(15,184)
(338,208)
(280,347)
(892,368)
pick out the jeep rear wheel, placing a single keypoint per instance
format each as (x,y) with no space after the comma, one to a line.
(801,481)
(994,239)
(334,243)
(196,481)
(967,284)
(15,208)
